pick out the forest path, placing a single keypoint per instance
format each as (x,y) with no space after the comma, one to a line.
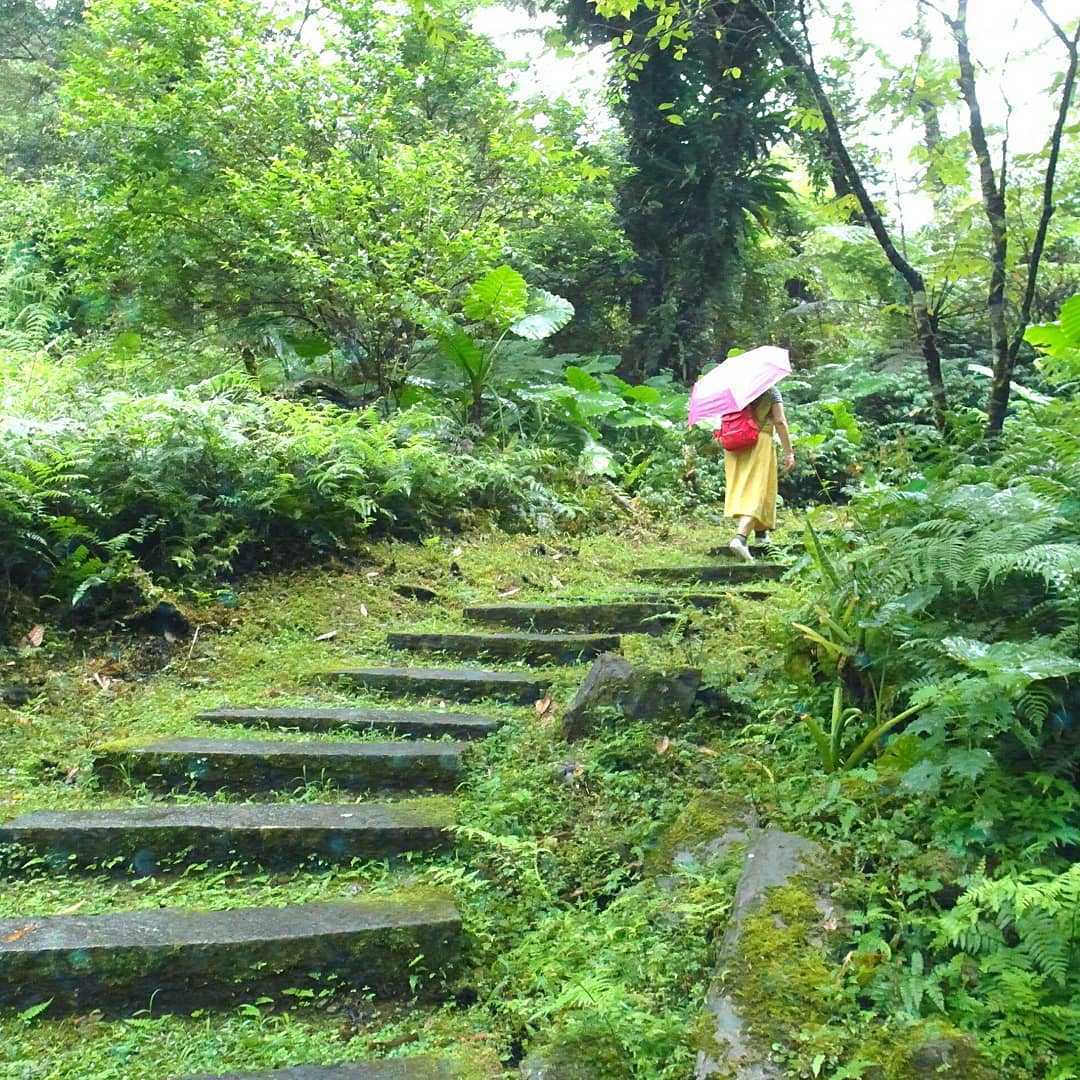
(393,946)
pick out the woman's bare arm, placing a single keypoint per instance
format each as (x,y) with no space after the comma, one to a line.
(779,419)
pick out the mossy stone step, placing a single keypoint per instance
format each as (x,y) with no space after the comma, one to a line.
(412,1068)
(531,648)
(464,684)
(730,572)
(259,765)
(181,960)
(759,551)
(415,723)
(149,838)
(627,617)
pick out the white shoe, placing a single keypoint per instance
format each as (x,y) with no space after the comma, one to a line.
(739,548)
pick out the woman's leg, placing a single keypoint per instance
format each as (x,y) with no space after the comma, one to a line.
(739,546)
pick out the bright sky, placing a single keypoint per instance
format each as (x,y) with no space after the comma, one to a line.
(1000,31)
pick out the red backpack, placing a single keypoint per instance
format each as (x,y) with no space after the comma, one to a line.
(739,430)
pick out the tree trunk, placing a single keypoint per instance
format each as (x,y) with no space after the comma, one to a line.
(928,109)
(916,284)
(993,198)
(1000,389)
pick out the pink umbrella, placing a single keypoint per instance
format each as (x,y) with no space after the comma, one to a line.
(737,381)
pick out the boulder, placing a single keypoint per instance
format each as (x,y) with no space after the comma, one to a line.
(614,688)
(774,960)
(926,1051)
(705,831)
(15,696)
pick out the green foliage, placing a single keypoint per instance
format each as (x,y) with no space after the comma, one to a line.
(331,190)
(499,303)
(194,484)
(1059,343)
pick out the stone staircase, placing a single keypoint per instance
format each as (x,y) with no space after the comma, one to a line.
(187,959)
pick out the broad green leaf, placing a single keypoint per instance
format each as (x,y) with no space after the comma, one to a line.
(597,460)
(1027,660)
(464,351)
(1047,336)
(582,380)
(1070,319)
(645,395)
(500,297)
(675,118)
(968,764)
(547,314)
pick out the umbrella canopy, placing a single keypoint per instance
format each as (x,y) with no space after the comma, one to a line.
(737,381)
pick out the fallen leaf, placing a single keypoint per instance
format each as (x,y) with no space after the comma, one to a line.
(556,583)
(36,635)
(544,706)
(663,745)
(373,573)
(18,935)
(330,634)
(511,592)
(71,910)
(457,552)
(171,638)
(363,610)
(71,775)
(102,680)
(706,751)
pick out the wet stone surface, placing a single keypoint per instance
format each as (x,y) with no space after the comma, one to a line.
(259,765)
(187,959)
(730,572)
(417,723)
(464,684)
(272,834)
(628,617)
(533,648)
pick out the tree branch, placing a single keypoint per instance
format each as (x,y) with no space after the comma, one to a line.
(791,55)
(1072,45)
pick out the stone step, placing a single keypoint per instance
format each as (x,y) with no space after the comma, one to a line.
(410,1068)
(674,602)
(178,960)
(402,722)
(629,617)
(464,684)
(258,765)
(150,838)
(759,551)
(531,648)
(730,572)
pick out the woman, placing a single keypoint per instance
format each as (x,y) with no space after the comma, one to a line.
(751,475)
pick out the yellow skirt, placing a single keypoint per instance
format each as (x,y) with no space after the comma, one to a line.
(750,481)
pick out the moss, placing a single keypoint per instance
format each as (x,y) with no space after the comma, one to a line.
(782,978)
(923,1051)
(706,817)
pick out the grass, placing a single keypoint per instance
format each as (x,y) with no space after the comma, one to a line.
(549,830)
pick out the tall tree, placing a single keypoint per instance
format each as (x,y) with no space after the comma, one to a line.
(772,20)
(699,112)
(993,186)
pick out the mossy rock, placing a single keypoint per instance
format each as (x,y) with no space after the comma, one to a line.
(706,830)
(925,1051)
(614,689)
(777,975)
